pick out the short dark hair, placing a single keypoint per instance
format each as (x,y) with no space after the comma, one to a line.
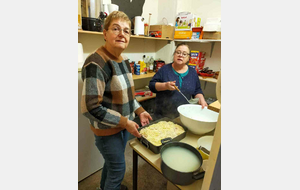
(182,44)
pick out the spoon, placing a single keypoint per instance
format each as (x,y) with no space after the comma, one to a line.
(192,101)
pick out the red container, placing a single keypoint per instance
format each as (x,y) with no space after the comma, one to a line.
(200,66)
(202,54)
(159,65)
(132,67)
(206,74)
(197,29)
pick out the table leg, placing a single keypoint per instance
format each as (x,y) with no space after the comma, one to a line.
(135,170)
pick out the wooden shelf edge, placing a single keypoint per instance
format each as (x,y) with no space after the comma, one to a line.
(132,36)
(196,40)
(148,75)
(141,99)
(208,79)
(136,77)
(89,32)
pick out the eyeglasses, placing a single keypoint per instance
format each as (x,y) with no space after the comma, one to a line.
(117,30)
(184,54)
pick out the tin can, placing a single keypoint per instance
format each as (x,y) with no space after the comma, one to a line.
(137,69)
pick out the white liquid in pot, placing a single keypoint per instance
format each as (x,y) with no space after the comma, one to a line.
(181,159)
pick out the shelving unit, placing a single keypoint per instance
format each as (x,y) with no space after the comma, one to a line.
(141,99)
(148,75)
(208,79)
(132,36)
(198,41)
(212,41)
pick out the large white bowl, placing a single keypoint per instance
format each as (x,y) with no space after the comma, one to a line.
(199,121)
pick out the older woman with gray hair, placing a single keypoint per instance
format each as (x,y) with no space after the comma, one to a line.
(108,99)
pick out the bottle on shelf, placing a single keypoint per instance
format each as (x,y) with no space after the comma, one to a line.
(147,61)
(143,66)
(137,69)
(151,64)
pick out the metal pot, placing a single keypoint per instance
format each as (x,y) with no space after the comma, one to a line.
(178,177)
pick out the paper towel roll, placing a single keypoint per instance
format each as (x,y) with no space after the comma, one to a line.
(105,9)
(138,25)
(80,56)
(112,7)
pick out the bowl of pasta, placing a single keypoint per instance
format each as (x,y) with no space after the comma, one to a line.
(198,120)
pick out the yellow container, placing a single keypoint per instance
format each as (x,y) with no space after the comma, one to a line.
(183,34)
(143,67)
(204,155)
(206,142)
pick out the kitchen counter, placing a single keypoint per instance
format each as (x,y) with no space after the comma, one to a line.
(155,159)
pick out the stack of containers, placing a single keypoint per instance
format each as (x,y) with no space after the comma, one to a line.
(184,23)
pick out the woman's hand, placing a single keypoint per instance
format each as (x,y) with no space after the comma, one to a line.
(170,85)
(144,118)
(132,127)
(201,101)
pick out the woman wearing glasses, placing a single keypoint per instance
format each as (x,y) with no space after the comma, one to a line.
(174,74)
(108,99)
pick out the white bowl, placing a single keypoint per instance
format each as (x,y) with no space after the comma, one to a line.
(199,121)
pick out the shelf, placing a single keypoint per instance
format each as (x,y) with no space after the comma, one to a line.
(141,99)
(148,75)
(89,32)
(132,36)
(198,41)
(208,79)
(136,77)
(212,41)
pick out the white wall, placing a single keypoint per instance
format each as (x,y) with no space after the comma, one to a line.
(203,8)
(150,6)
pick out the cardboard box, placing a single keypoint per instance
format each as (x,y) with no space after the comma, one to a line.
(186,21)
(197,32)
(212,35)
(162,31)
(194,58)
(196,35)
(183,34)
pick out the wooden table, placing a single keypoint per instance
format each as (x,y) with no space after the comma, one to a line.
(155,159)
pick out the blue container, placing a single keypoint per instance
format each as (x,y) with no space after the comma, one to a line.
(137,69)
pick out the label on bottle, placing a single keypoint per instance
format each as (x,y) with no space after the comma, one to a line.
(151,68)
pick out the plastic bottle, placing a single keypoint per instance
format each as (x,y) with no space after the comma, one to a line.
(147,61)
(141,63)
(151,64)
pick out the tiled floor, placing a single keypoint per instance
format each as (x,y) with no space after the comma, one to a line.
(148,177)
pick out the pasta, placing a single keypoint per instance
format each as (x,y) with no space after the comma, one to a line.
(158,131)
